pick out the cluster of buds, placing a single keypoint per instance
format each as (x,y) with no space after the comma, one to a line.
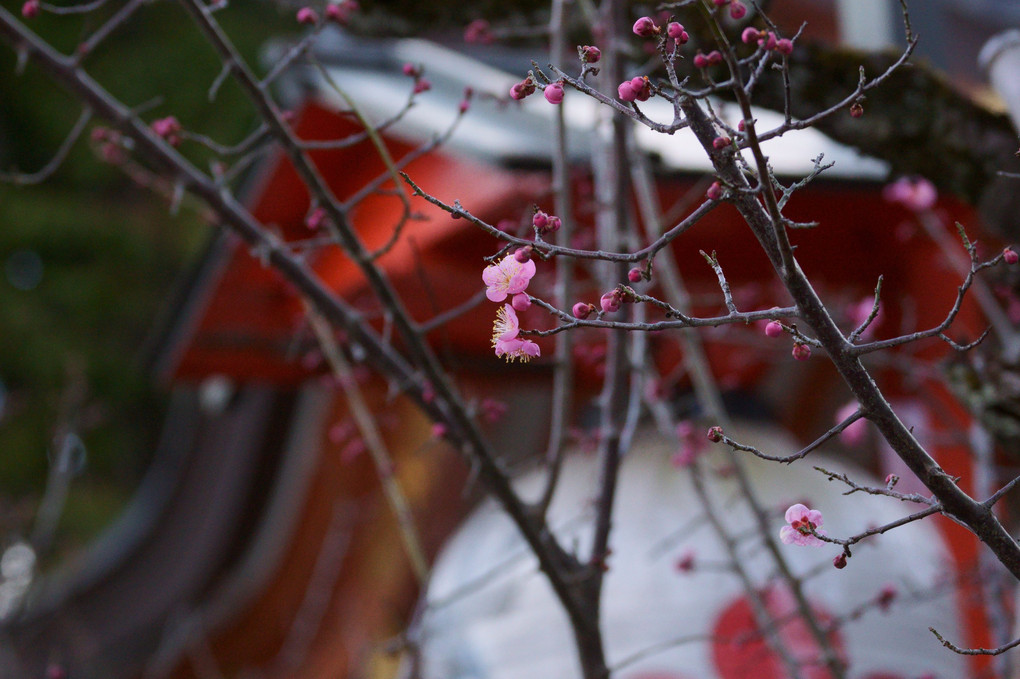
(169,129)
(479,31)
(523,89)
(705,60)
(421,84)
(111,144)
(767,40)
(635,89)
(645,27)
(676,31)
(545,223)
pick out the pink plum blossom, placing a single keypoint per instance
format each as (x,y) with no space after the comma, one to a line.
(802,522)
(508,277)
(505,340)
(914,193)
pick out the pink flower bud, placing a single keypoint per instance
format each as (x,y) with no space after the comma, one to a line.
(590,55)
(520,301)
(540,220)
(700,61)
(634,275)
(856,110)
(610,302)
(421,85)
(553,224)
(715,191)
(719,3)
(582,310)
(626,91)
(801,352)
(750,34)
(1010,256)
(523,255)
(784,46)
(720,143)
(522,89)
(642,88)
(715,434)
(307,15)
(737,10)
(341,12)
(439,430)
(891,480)
(886,597)
(554,93)
(768,40)
(30,9)
(464,105)
(741,125)
(685,564)
(676,31)
(645,27)
(839,561)
(315,219)
(714,57)
(411,71)
(774,329)
(479,31)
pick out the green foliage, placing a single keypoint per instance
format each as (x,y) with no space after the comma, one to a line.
(110,252)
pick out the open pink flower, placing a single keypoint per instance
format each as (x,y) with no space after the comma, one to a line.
(508,277)
(802,521)
(505,340)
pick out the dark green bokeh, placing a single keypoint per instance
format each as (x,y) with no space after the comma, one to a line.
(110,252)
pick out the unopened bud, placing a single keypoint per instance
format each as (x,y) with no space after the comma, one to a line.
(715,434)
(307,15)
(582,310)
(1010,256)
(523,255)
(634,275)
(839,561)
(801,352)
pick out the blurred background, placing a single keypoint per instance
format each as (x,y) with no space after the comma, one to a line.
(96,270)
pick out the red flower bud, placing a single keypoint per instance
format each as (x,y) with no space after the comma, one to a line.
(801,352)
(715,434)
(634,275)
(1010,256)
(839,561)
